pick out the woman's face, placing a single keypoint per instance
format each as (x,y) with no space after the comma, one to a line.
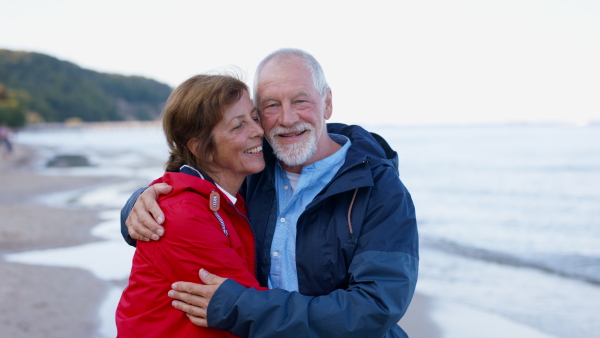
(238,144)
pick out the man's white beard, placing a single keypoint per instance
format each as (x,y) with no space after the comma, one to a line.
(296,153)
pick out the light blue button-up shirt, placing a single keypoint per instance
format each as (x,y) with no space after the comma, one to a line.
(291,203)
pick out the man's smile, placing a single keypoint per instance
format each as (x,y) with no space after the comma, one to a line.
(292,134)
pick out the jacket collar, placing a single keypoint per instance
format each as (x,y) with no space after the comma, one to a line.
(186,169)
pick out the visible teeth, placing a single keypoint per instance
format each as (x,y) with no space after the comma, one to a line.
(254,150)
(292,134)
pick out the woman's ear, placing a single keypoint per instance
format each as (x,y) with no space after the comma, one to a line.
(192,145)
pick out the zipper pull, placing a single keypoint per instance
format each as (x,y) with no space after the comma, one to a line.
(214,201)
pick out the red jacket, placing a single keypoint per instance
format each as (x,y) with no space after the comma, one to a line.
(194,239)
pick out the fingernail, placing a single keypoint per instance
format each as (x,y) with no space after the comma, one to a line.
(155,237)
(174,286)
(159,220)
(171,293)
(174,303)
(160,232)
(203,273)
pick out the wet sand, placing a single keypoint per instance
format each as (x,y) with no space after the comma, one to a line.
(43,301)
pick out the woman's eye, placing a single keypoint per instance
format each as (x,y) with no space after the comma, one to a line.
(238,126)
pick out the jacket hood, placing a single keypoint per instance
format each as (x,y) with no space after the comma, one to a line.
(365,145)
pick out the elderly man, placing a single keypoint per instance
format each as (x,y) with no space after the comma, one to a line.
(335,227)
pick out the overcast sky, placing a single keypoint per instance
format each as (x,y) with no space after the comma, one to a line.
(396,62)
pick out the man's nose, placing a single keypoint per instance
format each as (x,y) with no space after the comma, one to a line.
(288,117)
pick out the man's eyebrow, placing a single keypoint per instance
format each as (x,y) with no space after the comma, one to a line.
(267,98)
(300,93)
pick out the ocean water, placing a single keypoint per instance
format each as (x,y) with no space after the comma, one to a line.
(509,216)
(509,219)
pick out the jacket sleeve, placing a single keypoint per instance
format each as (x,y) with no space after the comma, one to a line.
(382,280)
(125,213)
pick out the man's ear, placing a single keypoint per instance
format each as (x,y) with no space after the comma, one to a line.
(328,105)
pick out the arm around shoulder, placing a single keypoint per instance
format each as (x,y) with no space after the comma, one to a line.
(125,214)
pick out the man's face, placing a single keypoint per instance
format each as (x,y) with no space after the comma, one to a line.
(292,112)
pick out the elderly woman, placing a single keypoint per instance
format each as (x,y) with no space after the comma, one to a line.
(215,141)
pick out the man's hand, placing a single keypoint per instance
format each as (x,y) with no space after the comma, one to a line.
(144,221)
(193,298)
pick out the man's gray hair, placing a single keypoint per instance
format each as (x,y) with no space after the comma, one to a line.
(317,74)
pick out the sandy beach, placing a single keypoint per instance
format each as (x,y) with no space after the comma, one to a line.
(43,301)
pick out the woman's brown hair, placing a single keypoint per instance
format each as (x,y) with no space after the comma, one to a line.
(192,110)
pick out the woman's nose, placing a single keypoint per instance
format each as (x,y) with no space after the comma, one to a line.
(257,130)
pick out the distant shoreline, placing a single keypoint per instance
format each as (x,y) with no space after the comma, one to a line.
(158,124)
(93,125)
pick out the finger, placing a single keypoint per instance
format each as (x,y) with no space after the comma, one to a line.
(203,322)
(131,219)
(163,188)
(142,220)
(150,197)
(137,220)
(194,305)
(146,225)
(210,279)
(189,309)
(191,288)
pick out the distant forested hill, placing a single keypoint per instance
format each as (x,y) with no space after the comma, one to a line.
(45,88)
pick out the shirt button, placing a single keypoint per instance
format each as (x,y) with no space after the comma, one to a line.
(282,220)
(285,187)
(275,254)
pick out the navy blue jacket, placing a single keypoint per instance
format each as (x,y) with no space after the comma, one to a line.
(348,287)
(356,253)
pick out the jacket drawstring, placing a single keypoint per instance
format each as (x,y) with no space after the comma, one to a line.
(352,240)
